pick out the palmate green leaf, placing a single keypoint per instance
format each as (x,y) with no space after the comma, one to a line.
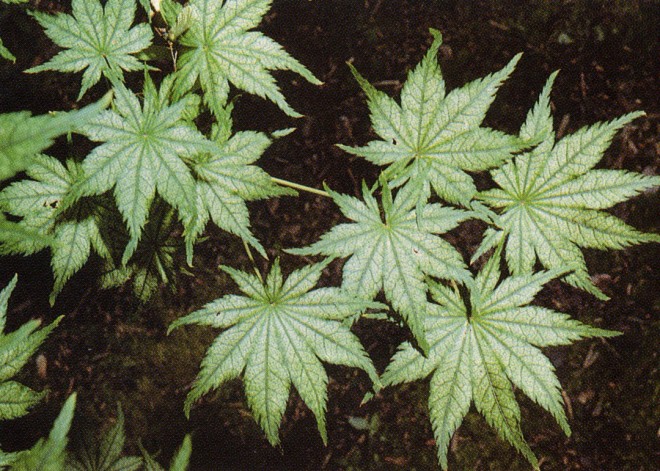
(22,136)
(105,455)
(432,139)
(49,454)
(96,38)
(71,235)
(550,198)
(143,152)
(225,180)
(394,253)
(16,349)
(219,49)
(277,334)
(477,352)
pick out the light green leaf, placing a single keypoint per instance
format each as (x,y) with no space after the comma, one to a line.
(476,353)
(549,198)
(441,130)
(396,253)
(219,50)
(142,153)
(98,39)
(71,234)
(276,336)
(225,180)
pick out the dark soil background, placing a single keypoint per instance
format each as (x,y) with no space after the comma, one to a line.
(111,349)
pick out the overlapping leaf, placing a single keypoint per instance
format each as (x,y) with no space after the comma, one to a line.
(143,152)
(394,253)
(152,264)
(277,334)
(550,199)
(226,179)
(16,349)
(432,139)
(220,50)
(96,38)
(476,352)
(70,235)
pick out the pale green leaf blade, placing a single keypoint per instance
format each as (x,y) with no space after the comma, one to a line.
(224,360)
(385,113)
(97,39)
(530,370)
(538,125)
(306,374)
(595,229)
(466,107)
(579,152)
(404,286)
(450,392)
(267,381)
(494,398)
(542,327)
(423,92)
(598,189)
(221,50)
(222,313)
(290,329)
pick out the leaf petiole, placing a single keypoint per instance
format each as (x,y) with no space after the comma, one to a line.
(298,186)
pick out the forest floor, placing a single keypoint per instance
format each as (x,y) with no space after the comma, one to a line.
(111,349)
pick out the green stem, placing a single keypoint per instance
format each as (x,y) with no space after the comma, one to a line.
(254,264)
(297,186)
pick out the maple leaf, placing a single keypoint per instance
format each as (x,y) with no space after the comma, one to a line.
(70,235)
(226,179)
(105,455)
(550,199)
(432,139)
(395,252)
(143,151)
(97,39)
(219,49)
(480,345)
(278,334)
(16,349)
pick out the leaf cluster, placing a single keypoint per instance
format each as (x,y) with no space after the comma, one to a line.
(167,163)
